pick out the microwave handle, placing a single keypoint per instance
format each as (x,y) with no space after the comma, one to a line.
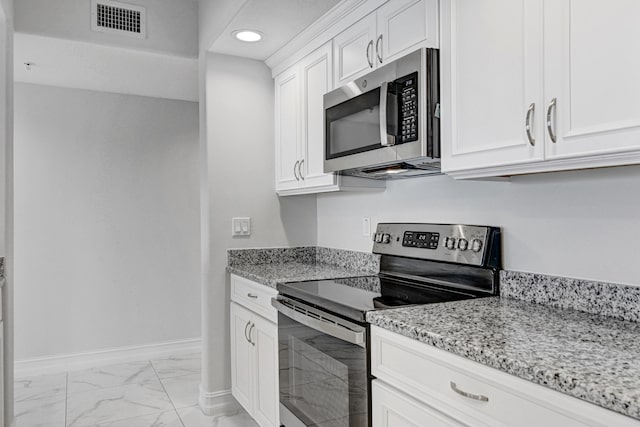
(385,139)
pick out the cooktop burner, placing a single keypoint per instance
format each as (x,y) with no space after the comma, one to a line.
(353,297)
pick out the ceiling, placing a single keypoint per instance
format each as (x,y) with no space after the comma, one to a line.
(279,21)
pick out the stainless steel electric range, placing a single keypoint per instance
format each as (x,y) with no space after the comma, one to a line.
(323,335)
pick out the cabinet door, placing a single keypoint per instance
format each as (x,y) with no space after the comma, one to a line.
(265,367)
(354,50)
(591,69)
(241,356)
(391,408)
(491,74)
(287,128)
(405,25)
(316,70)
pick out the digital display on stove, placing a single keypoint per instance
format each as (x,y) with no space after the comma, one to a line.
(420,239)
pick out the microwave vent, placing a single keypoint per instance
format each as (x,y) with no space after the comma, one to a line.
(118,18)
(401,170)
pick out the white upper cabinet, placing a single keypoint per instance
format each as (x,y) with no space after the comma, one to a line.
(287,129)
(403,26)
(299,128)
(317,79)
(491,73)
(355,50)
(565,70)
(591,70)
(398,27)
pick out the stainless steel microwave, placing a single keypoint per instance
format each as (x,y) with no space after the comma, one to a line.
(386,125)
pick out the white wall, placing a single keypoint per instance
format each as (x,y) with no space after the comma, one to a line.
(172,25)
(239,181)
(6,202)
(582,224)
(107,233)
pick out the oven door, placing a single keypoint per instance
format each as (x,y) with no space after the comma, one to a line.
(323,368)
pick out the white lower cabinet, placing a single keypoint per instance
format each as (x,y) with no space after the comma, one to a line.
(420,385)
(254,351)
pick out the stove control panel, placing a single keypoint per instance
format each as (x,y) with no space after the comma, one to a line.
(463,244)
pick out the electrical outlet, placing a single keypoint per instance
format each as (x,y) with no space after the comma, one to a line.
(241,227)
(366,227)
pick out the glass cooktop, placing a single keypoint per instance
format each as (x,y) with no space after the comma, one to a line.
(353,297)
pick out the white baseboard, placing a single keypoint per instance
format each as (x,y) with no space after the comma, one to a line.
(217,402)
(70,362)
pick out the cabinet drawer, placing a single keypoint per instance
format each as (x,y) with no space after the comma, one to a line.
(254,296)
(440,379)
(392,408)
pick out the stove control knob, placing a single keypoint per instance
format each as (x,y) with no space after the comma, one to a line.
(463,244)
(476,245)
(386,238)
(378,237)
(450,243)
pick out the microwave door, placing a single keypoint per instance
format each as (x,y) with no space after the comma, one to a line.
(354,128)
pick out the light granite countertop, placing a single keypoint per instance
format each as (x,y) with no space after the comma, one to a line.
(293,271)
(270,266)
(587,356)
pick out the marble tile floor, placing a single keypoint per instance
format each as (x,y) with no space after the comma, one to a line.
(153,393)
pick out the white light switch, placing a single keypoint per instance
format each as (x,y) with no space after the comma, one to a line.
(366,227)
(240,226)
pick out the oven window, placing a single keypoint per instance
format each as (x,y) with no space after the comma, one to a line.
(353,126)
(323,380)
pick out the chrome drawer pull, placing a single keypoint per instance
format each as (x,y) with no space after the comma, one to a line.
(250,295)
(479,397)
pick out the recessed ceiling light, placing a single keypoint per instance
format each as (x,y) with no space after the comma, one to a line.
(247,35)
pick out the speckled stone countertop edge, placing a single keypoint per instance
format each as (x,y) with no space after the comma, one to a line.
(607,396)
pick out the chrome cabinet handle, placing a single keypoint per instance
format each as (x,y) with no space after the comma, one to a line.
(530,113)
(254,296)
(550,109)
(245,331)
(479,397)
(300,169)
(378,54)
(253,325)
(369,49)
(295,170)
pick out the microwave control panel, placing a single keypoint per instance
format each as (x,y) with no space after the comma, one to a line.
(407,92)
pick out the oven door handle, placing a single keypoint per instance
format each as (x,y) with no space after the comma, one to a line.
(386,140)
(336,331)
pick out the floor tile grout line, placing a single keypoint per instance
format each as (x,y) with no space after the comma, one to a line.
(66,398)
(167,393)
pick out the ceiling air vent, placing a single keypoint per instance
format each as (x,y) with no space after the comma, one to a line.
(118,18)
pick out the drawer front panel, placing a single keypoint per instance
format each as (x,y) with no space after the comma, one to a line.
(392,408)
(254,296)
